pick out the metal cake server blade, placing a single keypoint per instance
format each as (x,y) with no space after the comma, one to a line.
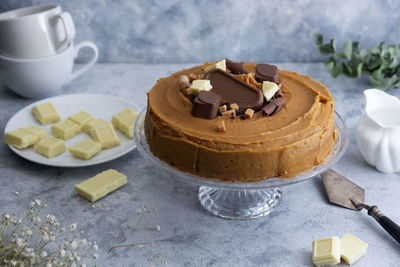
(343,192)
(340,190)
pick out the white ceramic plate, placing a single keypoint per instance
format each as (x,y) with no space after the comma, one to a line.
(99,106)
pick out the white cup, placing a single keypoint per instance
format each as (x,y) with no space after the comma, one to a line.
(35,32)
(37,78)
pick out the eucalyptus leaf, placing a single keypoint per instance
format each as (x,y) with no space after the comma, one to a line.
(333,45)
(381,63)
(336,70)
(347,49)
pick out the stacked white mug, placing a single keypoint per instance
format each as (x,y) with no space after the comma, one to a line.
(37,50)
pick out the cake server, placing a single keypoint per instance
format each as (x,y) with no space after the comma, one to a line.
(343,192)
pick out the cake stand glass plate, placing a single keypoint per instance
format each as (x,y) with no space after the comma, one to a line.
(99,106)
(241,200)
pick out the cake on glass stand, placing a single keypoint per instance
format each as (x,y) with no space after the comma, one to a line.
(241,200)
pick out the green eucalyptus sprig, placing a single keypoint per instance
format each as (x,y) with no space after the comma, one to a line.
(381,63)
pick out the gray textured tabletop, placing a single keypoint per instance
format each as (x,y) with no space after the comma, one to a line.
(190,236)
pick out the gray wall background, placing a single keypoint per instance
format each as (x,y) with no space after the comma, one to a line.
(196,31)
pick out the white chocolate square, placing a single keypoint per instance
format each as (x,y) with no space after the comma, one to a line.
(65,129)
(269,89)
(81,118)
(19,139)
(124,121)
(38,132)
(200,85)
(100,185)
(326,251)
(45,113)
(106,136)
(219,65)
(50,147)
(126,126)
(123,115)
(85,149)
(97,123)
(352,248)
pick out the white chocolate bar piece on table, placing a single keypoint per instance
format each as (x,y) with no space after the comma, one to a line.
(100,185)
(81,118)
(50,147)
(85,149)
(65,129)
(326,251)
(352,248)
(45,113)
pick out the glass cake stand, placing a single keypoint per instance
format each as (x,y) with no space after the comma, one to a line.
(241,200)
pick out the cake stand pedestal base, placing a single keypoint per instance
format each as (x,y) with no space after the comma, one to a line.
(240,204)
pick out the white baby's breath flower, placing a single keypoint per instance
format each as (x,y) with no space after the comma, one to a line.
(138,210)
(83,265)
(20,242)
(83,241)
(49,264)
(95,256)
(37,202)
(36,219)
(72,227)
(73,264)
(52,220)
(62,253)
(157,228)
(16,193)
(82,232)
(62,230)
(74,245)
(33,204)
(13,262)
(43,254)
(52,236)
(45,236)
(95,247)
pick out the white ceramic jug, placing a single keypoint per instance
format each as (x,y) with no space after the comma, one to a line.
(378,131)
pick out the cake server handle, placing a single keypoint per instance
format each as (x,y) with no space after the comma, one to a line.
(390,226)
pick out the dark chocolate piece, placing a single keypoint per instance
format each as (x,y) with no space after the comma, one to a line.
(279,93)
(274,106)
(206,105)
(233,90)
(235,67)
(267,72)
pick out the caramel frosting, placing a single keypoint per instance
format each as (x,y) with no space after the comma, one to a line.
(292,141)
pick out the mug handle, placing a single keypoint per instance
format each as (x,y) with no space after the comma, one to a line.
(87,65)
(69,27)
